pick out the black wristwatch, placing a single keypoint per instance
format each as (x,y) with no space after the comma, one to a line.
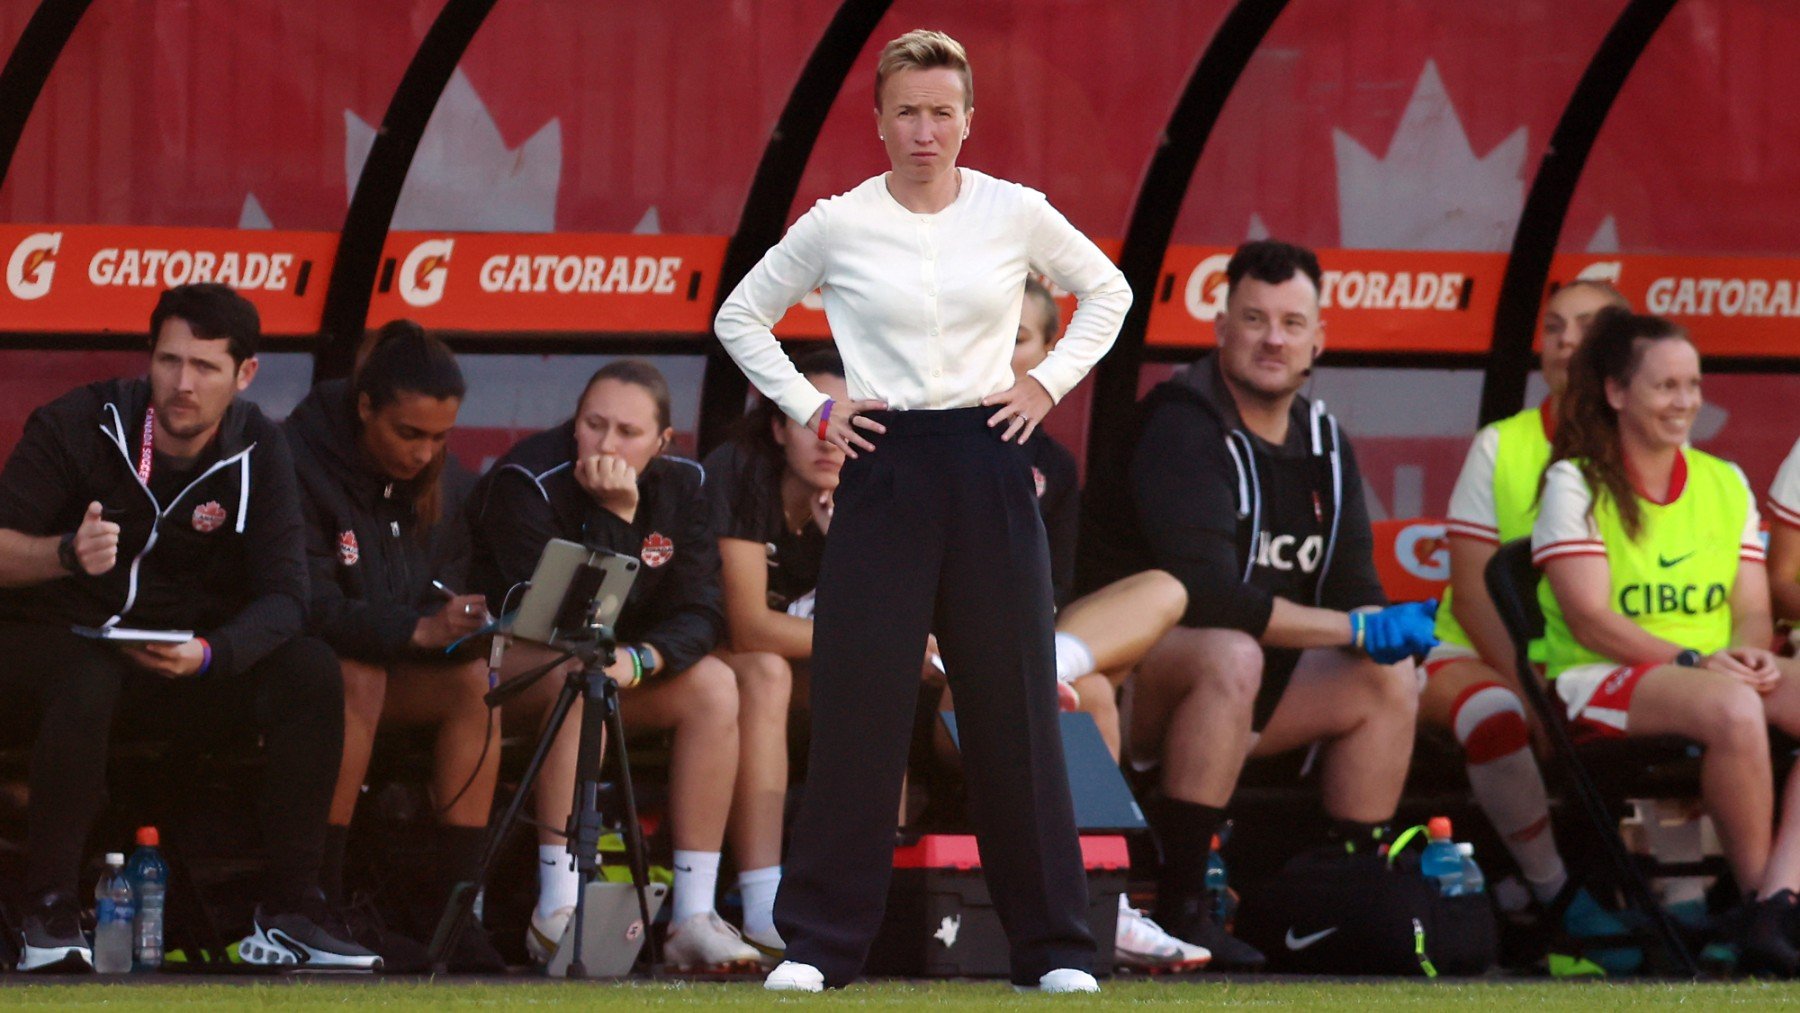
(65,553)
(1689,658)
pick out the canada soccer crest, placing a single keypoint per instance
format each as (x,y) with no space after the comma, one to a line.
(348,553)
(208,516)
(1038,479)
(658,549)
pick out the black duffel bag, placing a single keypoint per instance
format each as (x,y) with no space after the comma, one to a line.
(1332,912)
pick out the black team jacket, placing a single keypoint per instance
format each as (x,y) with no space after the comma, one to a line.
(224,555)
(530,496)
(1239,521)
(370,561)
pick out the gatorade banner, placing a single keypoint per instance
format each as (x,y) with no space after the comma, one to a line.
(1372,300)
(555,282)
(94,278)
(1731,305)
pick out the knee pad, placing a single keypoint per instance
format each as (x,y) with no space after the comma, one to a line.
(1489,722)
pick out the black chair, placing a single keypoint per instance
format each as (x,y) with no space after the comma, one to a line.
(1512,582)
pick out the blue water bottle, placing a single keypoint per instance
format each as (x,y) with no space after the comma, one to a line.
(149,877)
(1441,862)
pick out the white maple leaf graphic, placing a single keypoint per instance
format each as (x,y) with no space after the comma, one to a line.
(464,177)
(1431,191)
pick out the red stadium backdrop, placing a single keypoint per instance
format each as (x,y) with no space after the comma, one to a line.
(587,160)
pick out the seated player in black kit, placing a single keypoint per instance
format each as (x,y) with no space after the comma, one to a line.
(168,504)
(1249,494)
(381,540)
(602,479)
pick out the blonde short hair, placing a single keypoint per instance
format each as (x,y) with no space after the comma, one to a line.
(923,49)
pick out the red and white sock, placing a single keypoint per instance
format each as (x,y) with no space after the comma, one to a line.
(1489,723)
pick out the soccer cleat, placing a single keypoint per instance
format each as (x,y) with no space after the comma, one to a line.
(295,940)
(1189,917)
(795,977)
(706,942)
(1584,919)
(769,944)
(1764,948)
(1060,981)
(1143,945)
(53,940)
(546,932)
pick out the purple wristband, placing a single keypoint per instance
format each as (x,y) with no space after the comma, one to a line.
(205,656)
(825,417)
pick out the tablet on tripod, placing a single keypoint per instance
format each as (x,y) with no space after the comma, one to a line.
(573,589)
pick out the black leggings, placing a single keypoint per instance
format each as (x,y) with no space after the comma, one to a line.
(938,530)
(294,697)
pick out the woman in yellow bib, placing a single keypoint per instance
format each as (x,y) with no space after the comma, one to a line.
(1656,600)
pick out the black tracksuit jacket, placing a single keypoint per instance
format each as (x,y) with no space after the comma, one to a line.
(370,561)
(225,556)
(1238,521)
(531,496)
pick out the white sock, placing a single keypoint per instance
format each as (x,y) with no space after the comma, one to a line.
(557,882)
(1073,659)
(696,882)
(758,887)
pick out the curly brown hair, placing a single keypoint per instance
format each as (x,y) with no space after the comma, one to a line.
(1587,426)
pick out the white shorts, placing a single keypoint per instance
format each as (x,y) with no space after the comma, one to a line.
(1598,697)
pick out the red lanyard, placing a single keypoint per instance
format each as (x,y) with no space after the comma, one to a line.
(144,456)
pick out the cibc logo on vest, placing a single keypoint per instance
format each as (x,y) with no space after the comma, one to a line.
(1285,552)
(1684,599)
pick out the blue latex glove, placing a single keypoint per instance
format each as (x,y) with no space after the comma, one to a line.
(1399,631)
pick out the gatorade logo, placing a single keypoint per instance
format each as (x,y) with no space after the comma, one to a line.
(425,272)
(1660,599)
(1205,293)
(32,266)
(1424,551)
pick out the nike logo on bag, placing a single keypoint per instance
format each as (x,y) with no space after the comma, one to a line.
(1303,942)
(1671,562)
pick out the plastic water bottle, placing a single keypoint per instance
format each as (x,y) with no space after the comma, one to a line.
(1473,881)
(112,918)
(1218,885)
(149,877)
(1441,863)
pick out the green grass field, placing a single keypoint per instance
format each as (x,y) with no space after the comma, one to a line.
(539,994)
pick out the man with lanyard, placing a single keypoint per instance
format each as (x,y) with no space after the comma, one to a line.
(1248,493)
(167,504)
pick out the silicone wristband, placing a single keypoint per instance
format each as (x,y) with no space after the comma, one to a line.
(1356,630)
(637,666)
(825,417)
(205,656)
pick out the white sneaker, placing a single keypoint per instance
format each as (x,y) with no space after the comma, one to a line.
(545,933)
(706,942)
(1061,980)
(1143,945)
(795,977)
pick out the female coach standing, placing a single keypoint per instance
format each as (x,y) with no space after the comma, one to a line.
(936,527)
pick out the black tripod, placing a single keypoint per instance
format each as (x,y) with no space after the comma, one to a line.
(599,710)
